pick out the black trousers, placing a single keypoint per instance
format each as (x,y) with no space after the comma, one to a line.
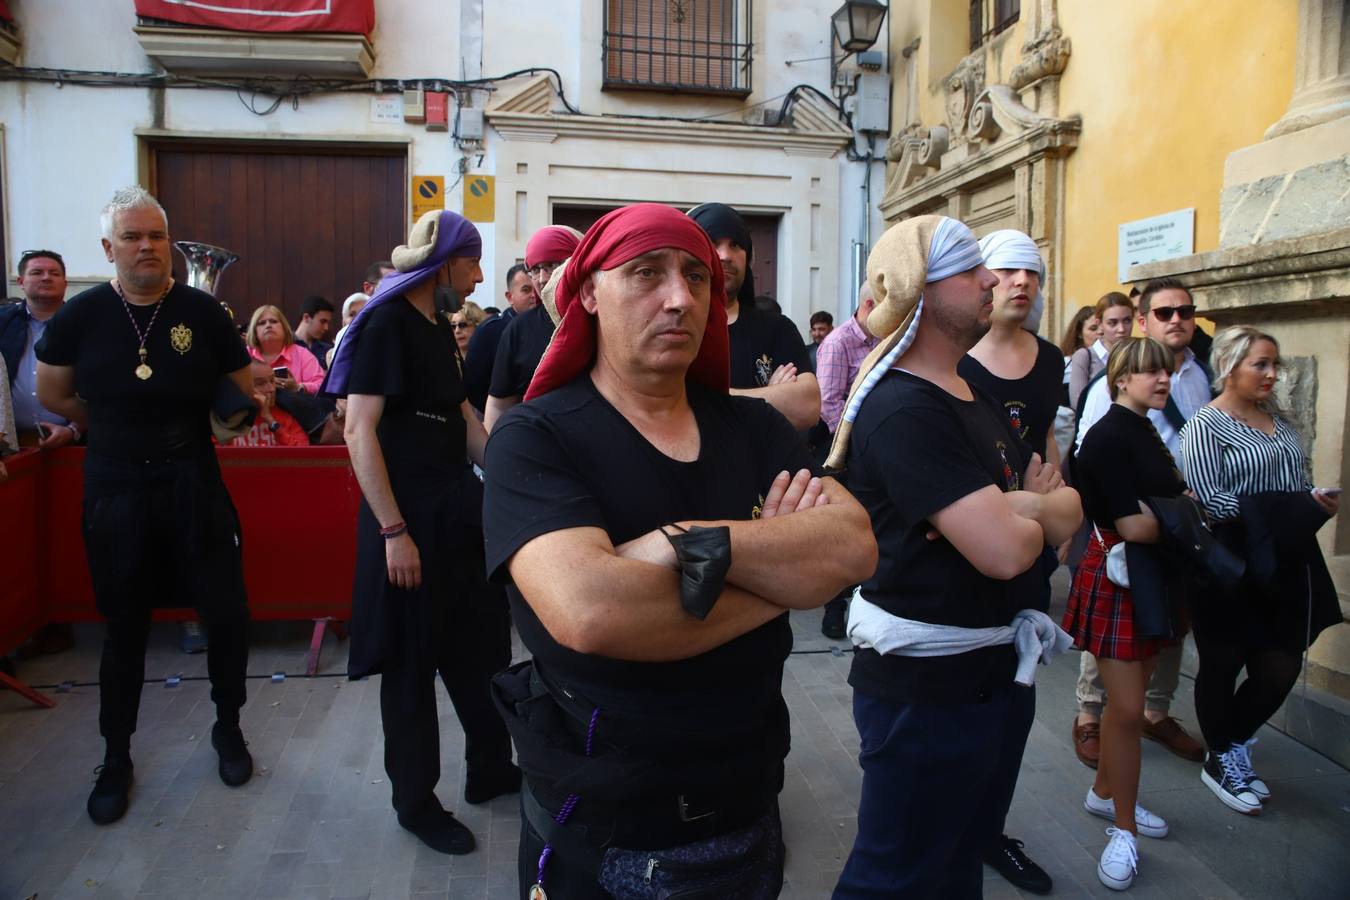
(1230,713)
(474,645)
(163,534)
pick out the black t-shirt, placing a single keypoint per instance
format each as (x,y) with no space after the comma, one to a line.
(569,459)
(1122,461)
(319,349)
(916,450)
(518,353)
(1030,402)
(760,343)
(481,355)
(190,346)
(413,363)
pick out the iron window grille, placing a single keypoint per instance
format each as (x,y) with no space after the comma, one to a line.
(699,46)
(1005,15)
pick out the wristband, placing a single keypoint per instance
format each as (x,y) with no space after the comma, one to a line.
(704,555)
(74,431)
(394,530)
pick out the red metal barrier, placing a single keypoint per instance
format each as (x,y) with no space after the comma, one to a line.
(297,506)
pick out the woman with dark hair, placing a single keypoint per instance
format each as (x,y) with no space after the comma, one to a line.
(1246,464)
(1083,330)
(1115,315)
(1122,462)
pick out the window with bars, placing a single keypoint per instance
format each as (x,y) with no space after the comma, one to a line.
(1001,14)
(701,46)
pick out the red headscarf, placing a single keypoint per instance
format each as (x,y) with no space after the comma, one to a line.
(618,237)
(551,244)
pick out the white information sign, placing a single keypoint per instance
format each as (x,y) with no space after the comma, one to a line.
(1159,237)
(386,108)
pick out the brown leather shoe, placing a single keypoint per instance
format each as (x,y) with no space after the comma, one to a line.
(1087,742)
(1168,732)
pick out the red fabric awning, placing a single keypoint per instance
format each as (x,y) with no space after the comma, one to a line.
(343,16)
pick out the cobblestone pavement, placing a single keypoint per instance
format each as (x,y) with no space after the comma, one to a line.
(315,821)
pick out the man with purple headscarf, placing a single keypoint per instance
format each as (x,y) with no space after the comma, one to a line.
(420,605)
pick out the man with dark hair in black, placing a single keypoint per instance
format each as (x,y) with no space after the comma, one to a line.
(316,321)
(822,323)
(141,360)
(375,273)
(521,297)
(42,277)
(768,356)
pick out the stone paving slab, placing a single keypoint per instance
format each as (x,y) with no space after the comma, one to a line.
(315,821)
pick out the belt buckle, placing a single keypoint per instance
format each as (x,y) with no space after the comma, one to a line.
(683,806)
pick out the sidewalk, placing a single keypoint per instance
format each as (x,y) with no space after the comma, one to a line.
(315,820)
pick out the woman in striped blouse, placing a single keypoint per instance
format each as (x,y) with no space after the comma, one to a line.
(1246,464)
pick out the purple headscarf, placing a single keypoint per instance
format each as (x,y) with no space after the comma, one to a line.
(435,238)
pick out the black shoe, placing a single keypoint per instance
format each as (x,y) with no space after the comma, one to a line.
(108,801)
(835,620)
(1222,774)
(482,788)
(439,830)
(1007,859)
(236,763)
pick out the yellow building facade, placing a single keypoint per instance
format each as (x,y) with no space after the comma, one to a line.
(1068,119)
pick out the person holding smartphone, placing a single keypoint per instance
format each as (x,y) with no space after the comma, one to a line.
(1246,464)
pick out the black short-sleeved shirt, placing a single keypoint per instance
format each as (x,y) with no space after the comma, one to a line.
(916,450)
(518,353)
(1122,461)
(481,355)
(190,346)
(1030,402)
(413,363)
(760,343)
(569,459)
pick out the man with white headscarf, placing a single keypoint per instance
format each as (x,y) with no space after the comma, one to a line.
(961,513)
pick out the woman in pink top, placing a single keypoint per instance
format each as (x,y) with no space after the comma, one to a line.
(271,341)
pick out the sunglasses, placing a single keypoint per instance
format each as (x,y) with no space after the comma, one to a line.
(460,325)
(1164,313)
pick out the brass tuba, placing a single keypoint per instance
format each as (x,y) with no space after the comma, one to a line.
(204,265)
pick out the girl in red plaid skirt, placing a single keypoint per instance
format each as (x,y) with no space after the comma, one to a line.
(1122,461)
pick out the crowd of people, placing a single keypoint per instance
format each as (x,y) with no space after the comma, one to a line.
(666,456)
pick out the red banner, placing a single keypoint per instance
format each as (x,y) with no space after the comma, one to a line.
(344,16)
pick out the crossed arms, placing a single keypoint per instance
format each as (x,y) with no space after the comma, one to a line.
(812,540)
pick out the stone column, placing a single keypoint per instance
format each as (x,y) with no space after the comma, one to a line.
(1321,67)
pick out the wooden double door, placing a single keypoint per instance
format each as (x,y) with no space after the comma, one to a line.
(305,218)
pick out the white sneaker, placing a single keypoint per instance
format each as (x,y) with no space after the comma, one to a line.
(1243,754)
(1120,860)
(1149,825)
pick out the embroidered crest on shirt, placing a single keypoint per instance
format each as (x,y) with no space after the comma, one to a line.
(1011,479)
(763,369)
(180,338)
(758,508)
(1015,409)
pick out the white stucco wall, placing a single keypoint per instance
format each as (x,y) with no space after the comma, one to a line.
(67,148)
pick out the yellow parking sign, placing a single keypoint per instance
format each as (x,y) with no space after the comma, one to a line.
(428,193)
(480,198)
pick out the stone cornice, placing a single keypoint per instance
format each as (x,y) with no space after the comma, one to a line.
(548,127)
(1296,276)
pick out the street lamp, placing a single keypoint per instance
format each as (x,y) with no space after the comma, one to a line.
(857,24)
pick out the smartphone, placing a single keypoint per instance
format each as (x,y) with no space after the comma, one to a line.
(281,372)
(1328,492)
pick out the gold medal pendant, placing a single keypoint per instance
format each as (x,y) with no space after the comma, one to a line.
(537,892)
(143,371)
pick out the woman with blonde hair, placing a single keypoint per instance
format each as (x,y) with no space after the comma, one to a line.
(1122,462)
(465,321)
(270,340)
(1247,466)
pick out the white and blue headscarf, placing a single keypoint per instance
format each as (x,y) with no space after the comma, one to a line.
(909,255)
(1011,249)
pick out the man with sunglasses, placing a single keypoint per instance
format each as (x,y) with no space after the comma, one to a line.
(1166,314)
(42,277)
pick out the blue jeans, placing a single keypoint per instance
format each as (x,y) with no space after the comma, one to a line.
(937,783)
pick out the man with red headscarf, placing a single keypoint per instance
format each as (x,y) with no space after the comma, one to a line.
(523,342)
(655,536)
